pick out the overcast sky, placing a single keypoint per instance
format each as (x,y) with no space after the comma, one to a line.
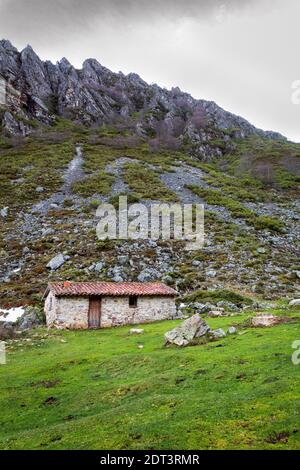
(242,54)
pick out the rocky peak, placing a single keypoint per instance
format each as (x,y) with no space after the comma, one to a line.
(66,67)
(5,44)
(34,73)
(95,94)
(9,63)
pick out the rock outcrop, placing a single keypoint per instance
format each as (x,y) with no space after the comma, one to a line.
(266,320)
(94,95)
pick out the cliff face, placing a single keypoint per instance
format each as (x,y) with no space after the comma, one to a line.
(94,95)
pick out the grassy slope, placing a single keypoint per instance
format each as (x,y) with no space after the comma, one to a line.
(104,392)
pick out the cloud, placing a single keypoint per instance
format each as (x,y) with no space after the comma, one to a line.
(240,53)
(42,23)
(71,13)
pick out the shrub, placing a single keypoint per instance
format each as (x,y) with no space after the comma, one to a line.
(99,183)
(147,184)
(238,210)
(218,295)
(268,223)
(132,198)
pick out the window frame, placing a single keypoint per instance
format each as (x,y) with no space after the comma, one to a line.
(132,301)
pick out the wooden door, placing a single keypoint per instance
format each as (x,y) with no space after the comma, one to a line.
(94,312)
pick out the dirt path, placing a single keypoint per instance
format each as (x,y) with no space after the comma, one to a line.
(116,168)
(73,173)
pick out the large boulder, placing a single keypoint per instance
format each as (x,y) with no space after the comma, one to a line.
(56,262)
(32,318)
(266,320)
(193,327)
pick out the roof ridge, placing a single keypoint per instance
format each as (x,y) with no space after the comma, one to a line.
(109,288)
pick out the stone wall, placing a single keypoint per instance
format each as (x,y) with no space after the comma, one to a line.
(67,312)
(50,309)
(115,311)
(72,312)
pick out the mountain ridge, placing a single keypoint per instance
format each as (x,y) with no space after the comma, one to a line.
(94,95)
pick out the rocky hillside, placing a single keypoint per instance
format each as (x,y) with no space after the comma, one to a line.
(72,139)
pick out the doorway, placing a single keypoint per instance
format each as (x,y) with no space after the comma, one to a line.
(95,312)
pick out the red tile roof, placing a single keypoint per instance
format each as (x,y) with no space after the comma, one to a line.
(109,288)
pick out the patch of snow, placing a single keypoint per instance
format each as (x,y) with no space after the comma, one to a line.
(11,315)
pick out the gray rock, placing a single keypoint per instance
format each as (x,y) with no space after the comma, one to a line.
(294,303)
(56,262)
(116,273)
(4,212)
(99,266)
(167,279)
(211,273)
(196,263)
(228,306)
(136,331)
(217,334)
(47,231)
(12,125)
(123,259)
(216,313)
(261,251)
(193,327)
(39,189)
(201,308)
(31,318)
(232,330)
(148,274)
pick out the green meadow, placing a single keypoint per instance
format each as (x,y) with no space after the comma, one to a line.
(107,389)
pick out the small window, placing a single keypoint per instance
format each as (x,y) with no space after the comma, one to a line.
(133,301)
(50,303)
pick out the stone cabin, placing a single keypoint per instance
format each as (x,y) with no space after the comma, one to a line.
(83,305)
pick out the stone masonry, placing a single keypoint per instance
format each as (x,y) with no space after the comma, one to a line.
(73,312)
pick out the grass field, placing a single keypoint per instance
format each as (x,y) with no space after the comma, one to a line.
(99,390)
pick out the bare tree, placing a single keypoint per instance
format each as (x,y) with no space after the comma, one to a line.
(199,117)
